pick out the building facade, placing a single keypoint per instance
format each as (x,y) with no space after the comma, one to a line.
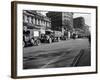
(32,20)
(67,20)
(61,21)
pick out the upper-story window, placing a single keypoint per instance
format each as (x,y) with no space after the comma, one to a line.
(30,19)
(37,21)
(33,20)
(48,24)
(45,23)
(25,18)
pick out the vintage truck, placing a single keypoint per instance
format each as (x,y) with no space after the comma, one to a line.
(30,39)
(50,36)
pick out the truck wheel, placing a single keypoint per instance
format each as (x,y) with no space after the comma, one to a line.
(50,40)
(32,42)
(37,42)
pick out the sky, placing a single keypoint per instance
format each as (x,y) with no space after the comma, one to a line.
(43,12)
(86,16)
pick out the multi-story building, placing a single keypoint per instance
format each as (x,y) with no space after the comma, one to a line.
(79,22)
(80,26)
(60,20)
(32,20)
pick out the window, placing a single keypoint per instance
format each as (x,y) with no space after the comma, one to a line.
(25,18)
(33,20)
(30,19)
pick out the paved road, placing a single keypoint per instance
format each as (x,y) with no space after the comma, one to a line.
(85,58)
(58,54)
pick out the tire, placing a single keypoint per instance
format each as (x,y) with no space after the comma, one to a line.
(32,42)
(38,42)
(50,40)
(35,43)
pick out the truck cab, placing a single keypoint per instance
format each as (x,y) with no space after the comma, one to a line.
(49,37)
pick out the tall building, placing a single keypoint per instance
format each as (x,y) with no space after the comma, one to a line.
(61,21)
(32,20)
(79,22)
(80,26)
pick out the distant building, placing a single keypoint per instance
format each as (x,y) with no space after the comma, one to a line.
(79,22)
(80,26)
(32,20)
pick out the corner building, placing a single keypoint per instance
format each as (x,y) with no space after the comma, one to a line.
(34,21)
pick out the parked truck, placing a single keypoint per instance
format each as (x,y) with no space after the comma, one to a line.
(58,35)
(30,39)
(47,37)
(50,36)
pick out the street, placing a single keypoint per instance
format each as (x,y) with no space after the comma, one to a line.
(56,54)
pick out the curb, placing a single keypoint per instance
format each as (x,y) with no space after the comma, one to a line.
(77,58)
